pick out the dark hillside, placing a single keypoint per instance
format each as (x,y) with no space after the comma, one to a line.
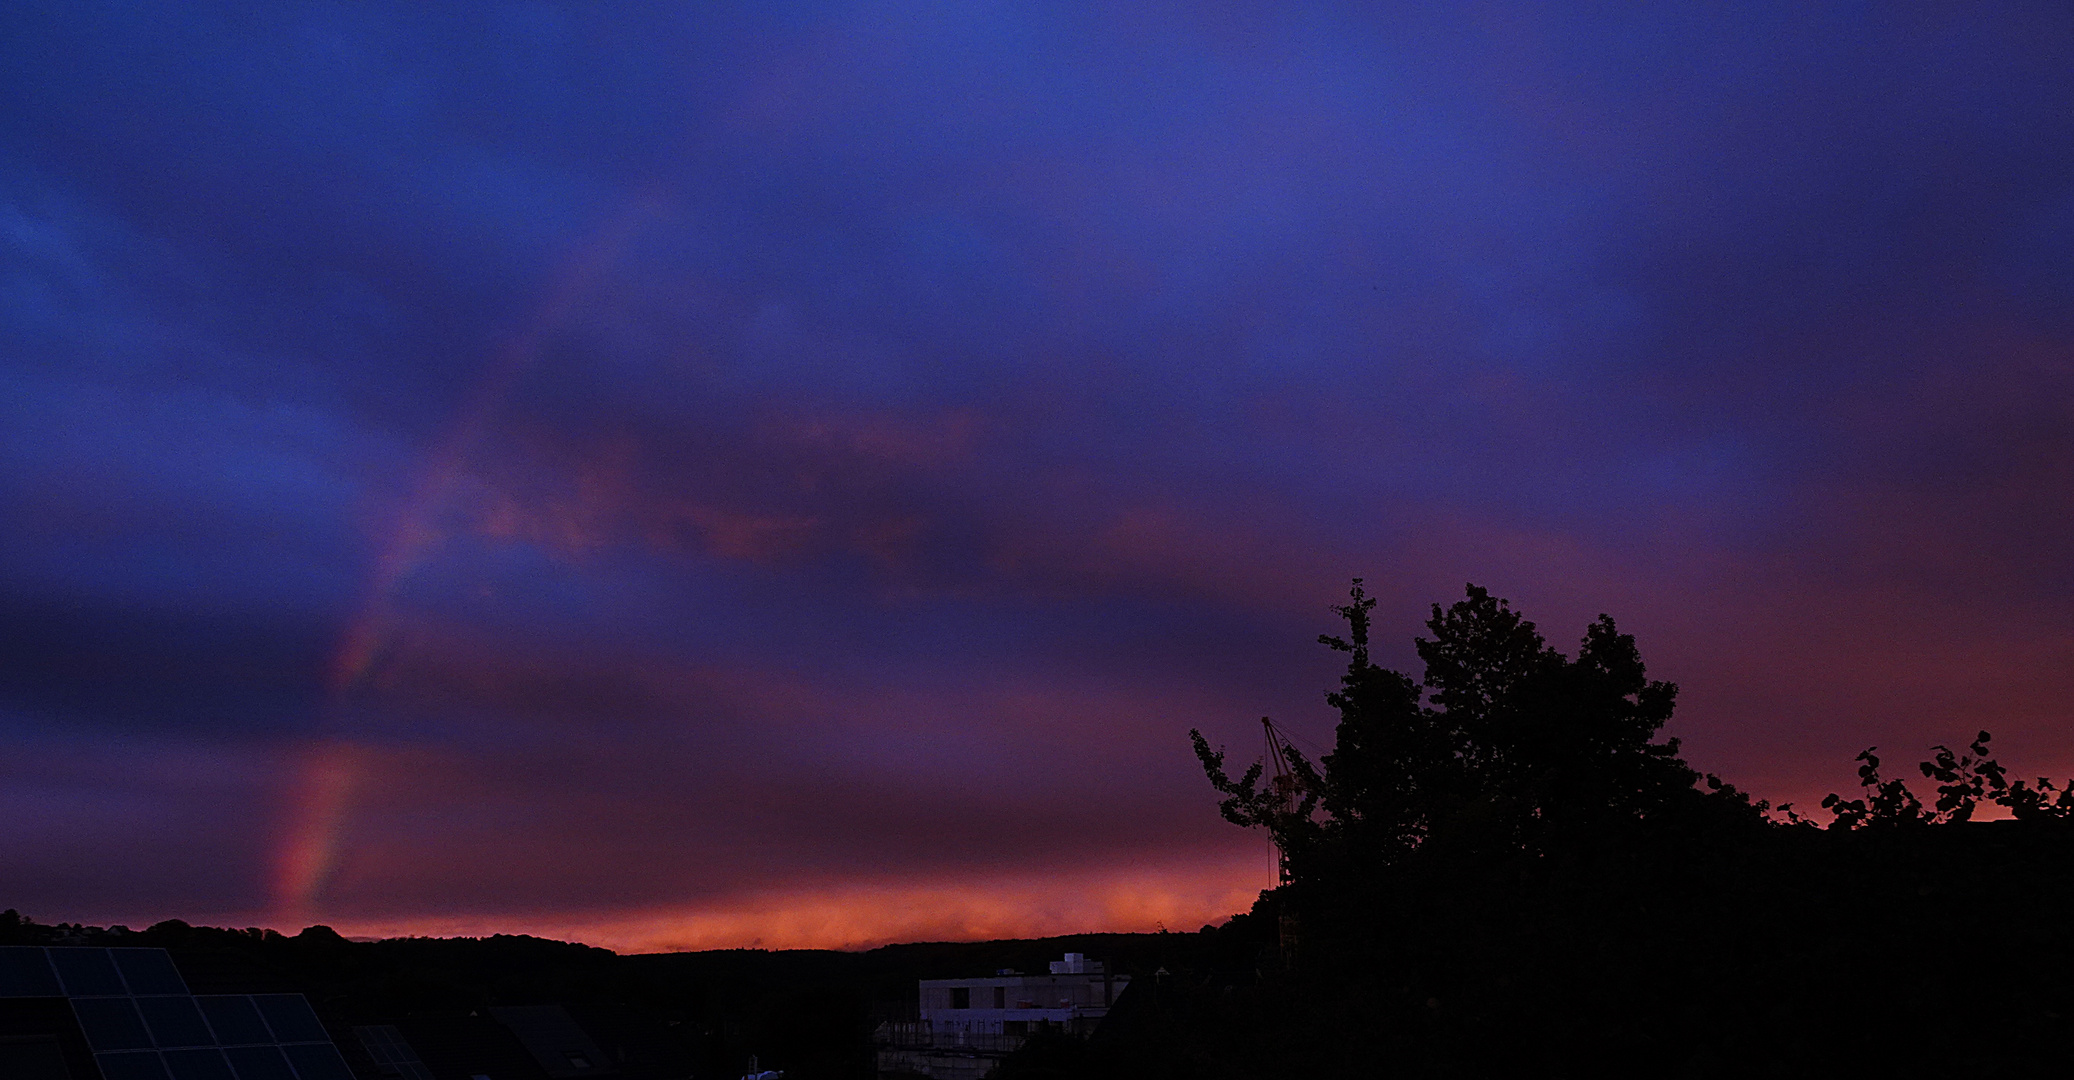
(809,1012)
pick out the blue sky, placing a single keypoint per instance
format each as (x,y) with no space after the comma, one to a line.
(608,469)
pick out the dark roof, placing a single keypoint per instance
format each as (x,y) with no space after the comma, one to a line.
(551,1035)
(461,1047)
(640,1043)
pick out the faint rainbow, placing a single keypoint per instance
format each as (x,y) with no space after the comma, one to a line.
(329,770)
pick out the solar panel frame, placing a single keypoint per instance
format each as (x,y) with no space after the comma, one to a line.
(317,1061)
(391,1052)
(148,971)
(206,1063)
(140,1022)
(25,971)
(385,1044)
(175,1022)
(234,1019)
(111,1024)
(87,972)
(132,1066)
(291,1018)
(259,1063)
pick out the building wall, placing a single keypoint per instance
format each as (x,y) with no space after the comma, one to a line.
(1024,992)
(1018,1004)
(966,1026)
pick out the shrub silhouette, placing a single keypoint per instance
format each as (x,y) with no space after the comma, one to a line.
(1964,781)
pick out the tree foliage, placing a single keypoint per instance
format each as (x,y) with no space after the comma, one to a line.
(1964,781)
(1505,747)
(1503,867)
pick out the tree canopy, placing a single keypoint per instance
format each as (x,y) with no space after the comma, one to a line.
(1504,867)
(1506,746)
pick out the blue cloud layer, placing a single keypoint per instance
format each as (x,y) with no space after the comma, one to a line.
(454,383)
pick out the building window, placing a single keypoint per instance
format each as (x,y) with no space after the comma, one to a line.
(961,997)
(1000,997)
(1015,1027)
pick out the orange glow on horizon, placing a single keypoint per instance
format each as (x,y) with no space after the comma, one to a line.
(867,915)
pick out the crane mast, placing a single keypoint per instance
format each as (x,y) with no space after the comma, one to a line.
(1286,789)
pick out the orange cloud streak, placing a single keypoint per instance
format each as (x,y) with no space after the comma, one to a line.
(865,915)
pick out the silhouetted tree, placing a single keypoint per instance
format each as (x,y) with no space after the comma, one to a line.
(1964,781)
(1507,747)
(1503,868)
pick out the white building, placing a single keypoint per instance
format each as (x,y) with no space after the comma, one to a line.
(968,1025)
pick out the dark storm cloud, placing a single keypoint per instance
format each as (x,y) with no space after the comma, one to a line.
(834,440)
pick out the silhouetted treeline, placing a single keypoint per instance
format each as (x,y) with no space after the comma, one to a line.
(1500,870)
(809,1012)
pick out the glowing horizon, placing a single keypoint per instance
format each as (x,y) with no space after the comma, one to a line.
(586,467)
(849,916)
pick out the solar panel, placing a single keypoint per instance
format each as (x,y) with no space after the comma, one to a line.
(87,972)
(258,1063)
(198,1065)
(131,1067)
(148,971)
(174,1021)
(386,1047)
(25,972)
(552,1036)
(111,1024)
(318,1061)
(235,1019)
(291,1018)
(128,1001)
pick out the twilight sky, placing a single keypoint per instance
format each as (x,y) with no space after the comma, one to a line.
(707,474)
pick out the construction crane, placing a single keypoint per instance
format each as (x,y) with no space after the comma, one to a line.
(1286,789)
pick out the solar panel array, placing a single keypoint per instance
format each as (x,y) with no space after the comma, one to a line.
(385,1044)
(142,1024)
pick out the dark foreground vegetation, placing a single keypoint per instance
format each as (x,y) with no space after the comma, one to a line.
(1499,870)
(658,1016)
